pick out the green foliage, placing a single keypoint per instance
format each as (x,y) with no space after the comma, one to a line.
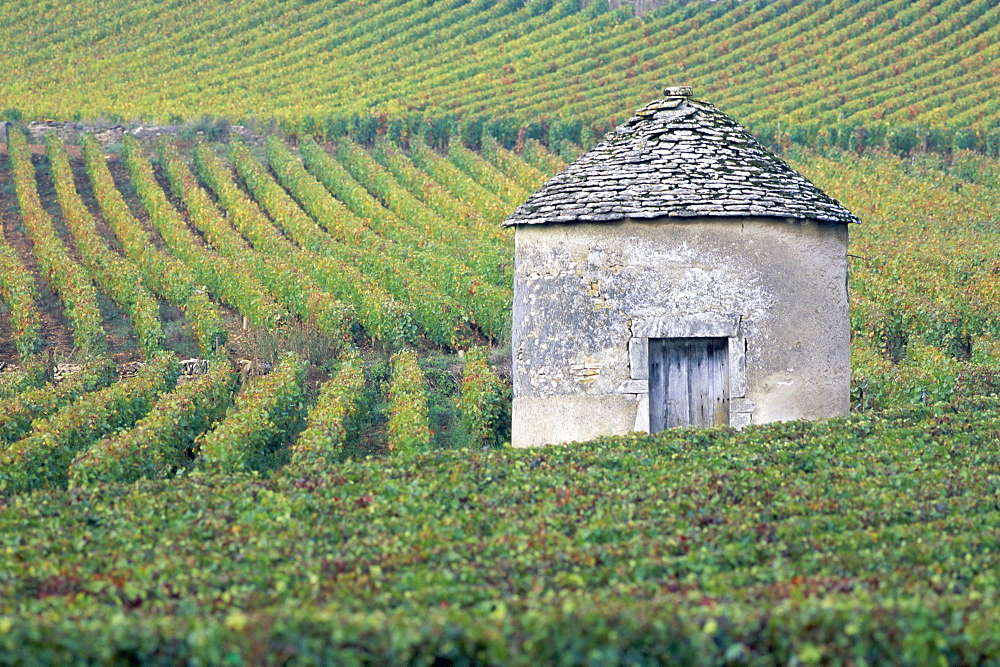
(442,378)
(927,374)
(975,169)
(409,428)
(859,74)
(420,184)
(411,222)
(920,244)
(292,286)
(161,443)
(488,175)
(18,293)
(617,632)
(161,273)
(414,269)
(331,420)
(33,373)
(256,432)
(73,285)
(118,277)
(542,159)
(527,176)
(231,281)
(484,401)
(869,537)
(333,261)
(18,412)
(461,185)
(42,459)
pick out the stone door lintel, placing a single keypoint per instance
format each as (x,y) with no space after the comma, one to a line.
(685,327)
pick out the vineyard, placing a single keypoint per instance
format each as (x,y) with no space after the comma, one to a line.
(851,73)
(255,385)
(291,268)
(239,253)
(345,300)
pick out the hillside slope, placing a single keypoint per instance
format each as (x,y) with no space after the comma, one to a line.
(798,66)
(327,482)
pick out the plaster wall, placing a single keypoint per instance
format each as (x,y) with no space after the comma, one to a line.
(587,296)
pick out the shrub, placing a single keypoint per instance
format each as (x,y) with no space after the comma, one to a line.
(162,442)
(409,428)
(328,423)
(484,401)
(267,415)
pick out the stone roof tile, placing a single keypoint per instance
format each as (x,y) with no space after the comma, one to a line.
(677,157)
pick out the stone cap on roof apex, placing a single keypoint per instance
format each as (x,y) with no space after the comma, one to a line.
(677,157)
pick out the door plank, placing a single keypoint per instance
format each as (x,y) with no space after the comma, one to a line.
(688,382)
(720,378)
(657,386)
(677,386)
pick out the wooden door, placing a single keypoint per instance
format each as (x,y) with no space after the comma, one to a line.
(688,382)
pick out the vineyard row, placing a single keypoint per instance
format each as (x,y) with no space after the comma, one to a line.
(858,73)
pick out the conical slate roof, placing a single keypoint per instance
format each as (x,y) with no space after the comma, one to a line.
(677,157)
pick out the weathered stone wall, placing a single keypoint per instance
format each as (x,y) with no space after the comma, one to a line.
(639,6)
(588,295)
(112,134)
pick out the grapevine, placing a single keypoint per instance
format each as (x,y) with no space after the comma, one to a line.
(18,413)
(229,280)
(411,271)
(118,277)
(33,373)
(267,415)
(409,429)
(322,442)
(382,316)
(162,273)
(483,401)
(42,459)
(161,443)
(71,282)
(295,289)
(462,289)
(17,291)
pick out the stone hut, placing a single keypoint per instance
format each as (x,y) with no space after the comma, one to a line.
(677,274)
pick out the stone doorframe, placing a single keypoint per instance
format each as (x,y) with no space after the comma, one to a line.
(691,326)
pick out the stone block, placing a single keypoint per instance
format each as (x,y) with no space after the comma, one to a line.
(707,325)
(642,414)
(739,420)
(737,368)
(633,387)
(638,358)
(566,418)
